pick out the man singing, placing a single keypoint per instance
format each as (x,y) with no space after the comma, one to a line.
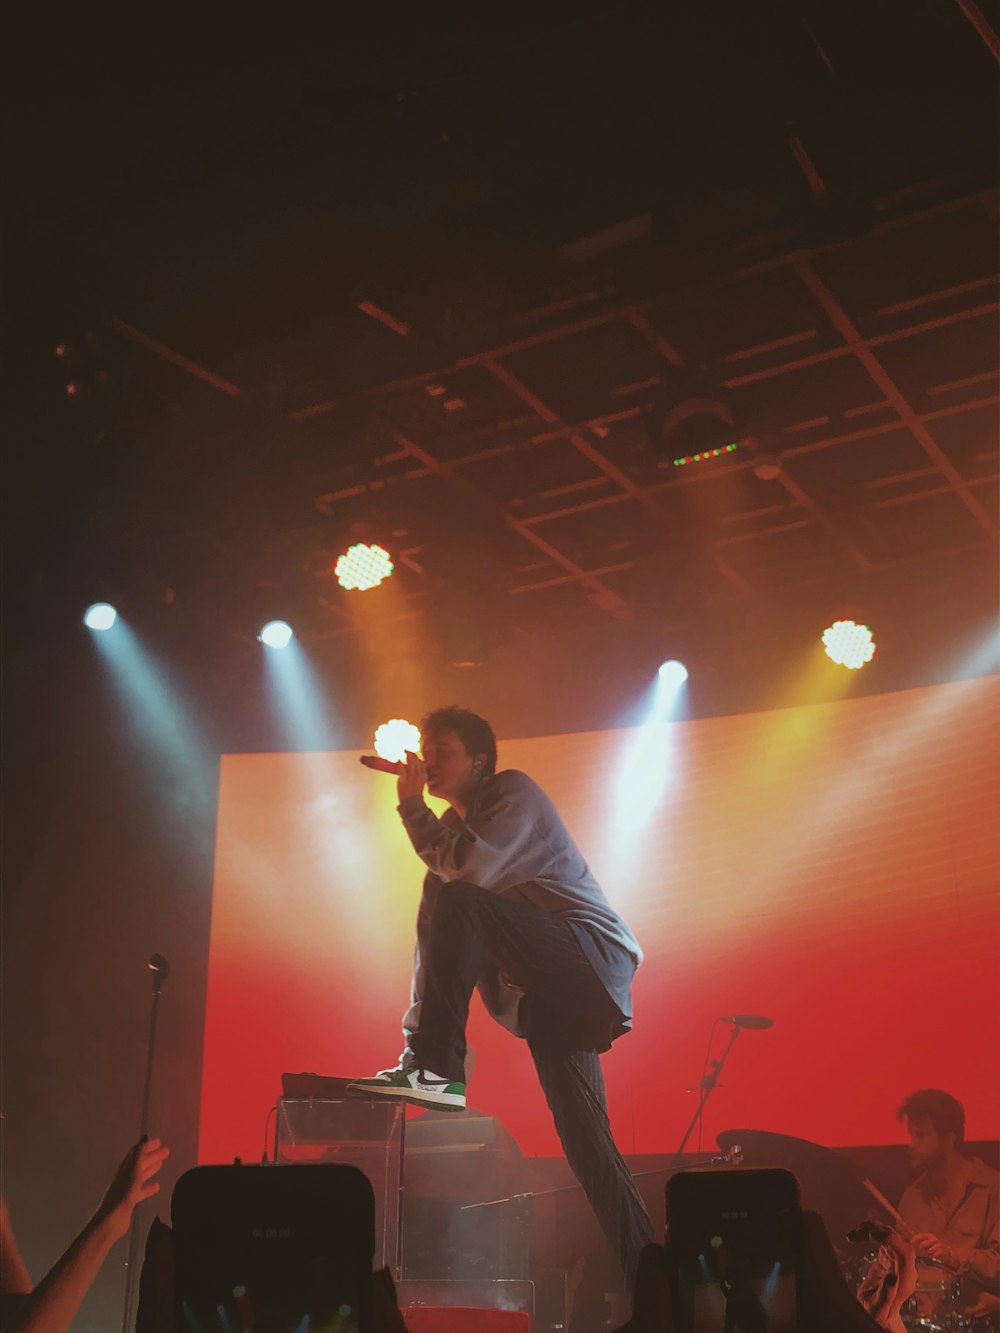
(510,905)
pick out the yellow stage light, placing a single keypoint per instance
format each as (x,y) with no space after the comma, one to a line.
(363,566)
(848,644)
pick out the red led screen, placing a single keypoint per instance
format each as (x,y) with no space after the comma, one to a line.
(831,866)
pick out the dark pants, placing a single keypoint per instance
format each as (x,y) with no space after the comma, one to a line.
(564,1004)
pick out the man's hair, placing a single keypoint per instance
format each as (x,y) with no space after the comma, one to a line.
(944,1111)
(473,731)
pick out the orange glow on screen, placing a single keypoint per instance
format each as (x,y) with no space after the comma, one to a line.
(833,866)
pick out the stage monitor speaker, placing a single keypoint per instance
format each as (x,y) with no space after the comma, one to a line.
(268,1247)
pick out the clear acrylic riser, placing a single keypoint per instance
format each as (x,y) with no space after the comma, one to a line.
(365,1134)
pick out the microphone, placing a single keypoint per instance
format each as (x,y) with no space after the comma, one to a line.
(160,965)
(380,765)
(748,1021)
(160,969)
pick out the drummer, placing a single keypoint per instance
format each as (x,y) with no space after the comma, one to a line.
(952,1208)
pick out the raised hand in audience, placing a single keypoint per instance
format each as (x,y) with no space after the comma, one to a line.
(53,1304)
(131,1184)
(890,1281)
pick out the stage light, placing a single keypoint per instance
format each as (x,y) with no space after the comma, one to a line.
(848,644)
(672,673)
(363,566)
(709,453)
(276,634)
(767,468)
(692,418)
(394,738)
(100,616)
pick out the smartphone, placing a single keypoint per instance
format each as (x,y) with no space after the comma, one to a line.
(734,1244)
(273,1249)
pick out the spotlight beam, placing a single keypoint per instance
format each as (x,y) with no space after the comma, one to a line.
(162,720)
(298,699)
(650,758)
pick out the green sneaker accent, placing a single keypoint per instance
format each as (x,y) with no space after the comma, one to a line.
(418,1087)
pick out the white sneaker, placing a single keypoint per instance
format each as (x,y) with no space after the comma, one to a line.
(419,1087)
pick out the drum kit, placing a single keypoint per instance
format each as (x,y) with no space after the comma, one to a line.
(834,1187)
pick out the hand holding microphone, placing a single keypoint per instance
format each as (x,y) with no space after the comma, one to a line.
(413,778)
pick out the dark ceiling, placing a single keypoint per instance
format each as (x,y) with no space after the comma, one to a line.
(439,283)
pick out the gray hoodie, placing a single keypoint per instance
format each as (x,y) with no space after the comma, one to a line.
(513,842)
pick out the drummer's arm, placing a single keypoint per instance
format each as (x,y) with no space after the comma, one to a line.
(983,1263)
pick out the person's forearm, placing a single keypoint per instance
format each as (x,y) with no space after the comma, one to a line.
(504,840)
(53,1304)
(984,1266)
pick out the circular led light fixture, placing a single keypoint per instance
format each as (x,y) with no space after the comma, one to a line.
(673,673)
(363,566)
(276,634)
(394,738)
(848,644)
(100,616)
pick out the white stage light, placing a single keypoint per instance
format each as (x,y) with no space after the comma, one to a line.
(102,615)
(363,566)
(673,673)
(276,634)
(394,738)
(848,644)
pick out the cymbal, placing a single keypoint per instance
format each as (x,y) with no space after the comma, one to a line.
(830,1183)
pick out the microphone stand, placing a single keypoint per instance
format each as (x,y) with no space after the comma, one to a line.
(160,969)
(707,1085)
